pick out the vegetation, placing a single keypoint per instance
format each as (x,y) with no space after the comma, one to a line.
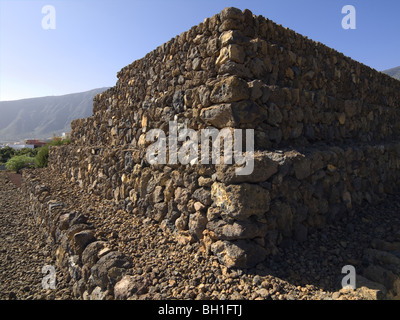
(27,158)
(59,142)
(27,152)
(42,158)
(17,163)
(7,153)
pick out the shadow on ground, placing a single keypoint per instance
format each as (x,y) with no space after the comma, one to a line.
(319,260)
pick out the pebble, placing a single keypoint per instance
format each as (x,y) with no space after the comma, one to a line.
(21,259)
(303,271)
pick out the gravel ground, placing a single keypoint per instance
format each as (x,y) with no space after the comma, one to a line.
(23,250)
(299,271)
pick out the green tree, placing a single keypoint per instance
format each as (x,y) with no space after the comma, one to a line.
(42,157)
(6,154)
(26,151)
(19,162)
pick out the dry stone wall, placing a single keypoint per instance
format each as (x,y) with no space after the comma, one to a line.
(93,267)
(325,130)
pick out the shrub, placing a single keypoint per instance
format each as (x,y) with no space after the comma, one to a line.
(58,142)
(6,154)
(19,162)
(42,157)
(26,152)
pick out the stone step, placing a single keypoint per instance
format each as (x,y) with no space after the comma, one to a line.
(288,192)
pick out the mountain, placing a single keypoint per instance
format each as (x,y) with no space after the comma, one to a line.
(394,72)
(40,118)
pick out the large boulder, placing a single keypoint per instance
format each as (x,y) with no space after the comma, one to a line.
(238,254)
(240,201)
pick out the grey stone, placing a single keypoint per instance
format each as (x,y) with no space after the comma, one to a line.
(65,219)
(81,239)
(128,161)
(230,89)
(302,167)
(197,224)
(54,206)
(248,112)
(237,230)
(256,87)
(300,233)
(219,116)
(240,201)
(282,213)
(202,195)
(382,257)
(196,64)
(239,253)
(274,114)
(75,229)
(375,291)
(265,166)
(100,269)
(74,268)
(158,194)
(98,294)
(233,68)
(204,96)
(266,93)
(350,108)
(382,276)
(178,101)
(90,254)
(258,68)
(231,13)
(78,219)
(130,285)
(79,288)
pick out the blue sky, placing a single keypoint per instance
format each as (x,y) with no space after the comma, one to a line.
(94,39)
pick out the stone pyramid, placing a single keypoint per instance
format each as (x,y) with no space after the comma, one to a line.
(325,136)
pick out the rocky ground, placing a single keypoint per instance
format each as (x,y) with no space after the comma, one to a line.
(298,271)
(23,250)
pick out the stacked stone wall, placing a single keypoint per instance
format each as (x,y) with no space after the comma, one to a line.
(92,266)
(325,129)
